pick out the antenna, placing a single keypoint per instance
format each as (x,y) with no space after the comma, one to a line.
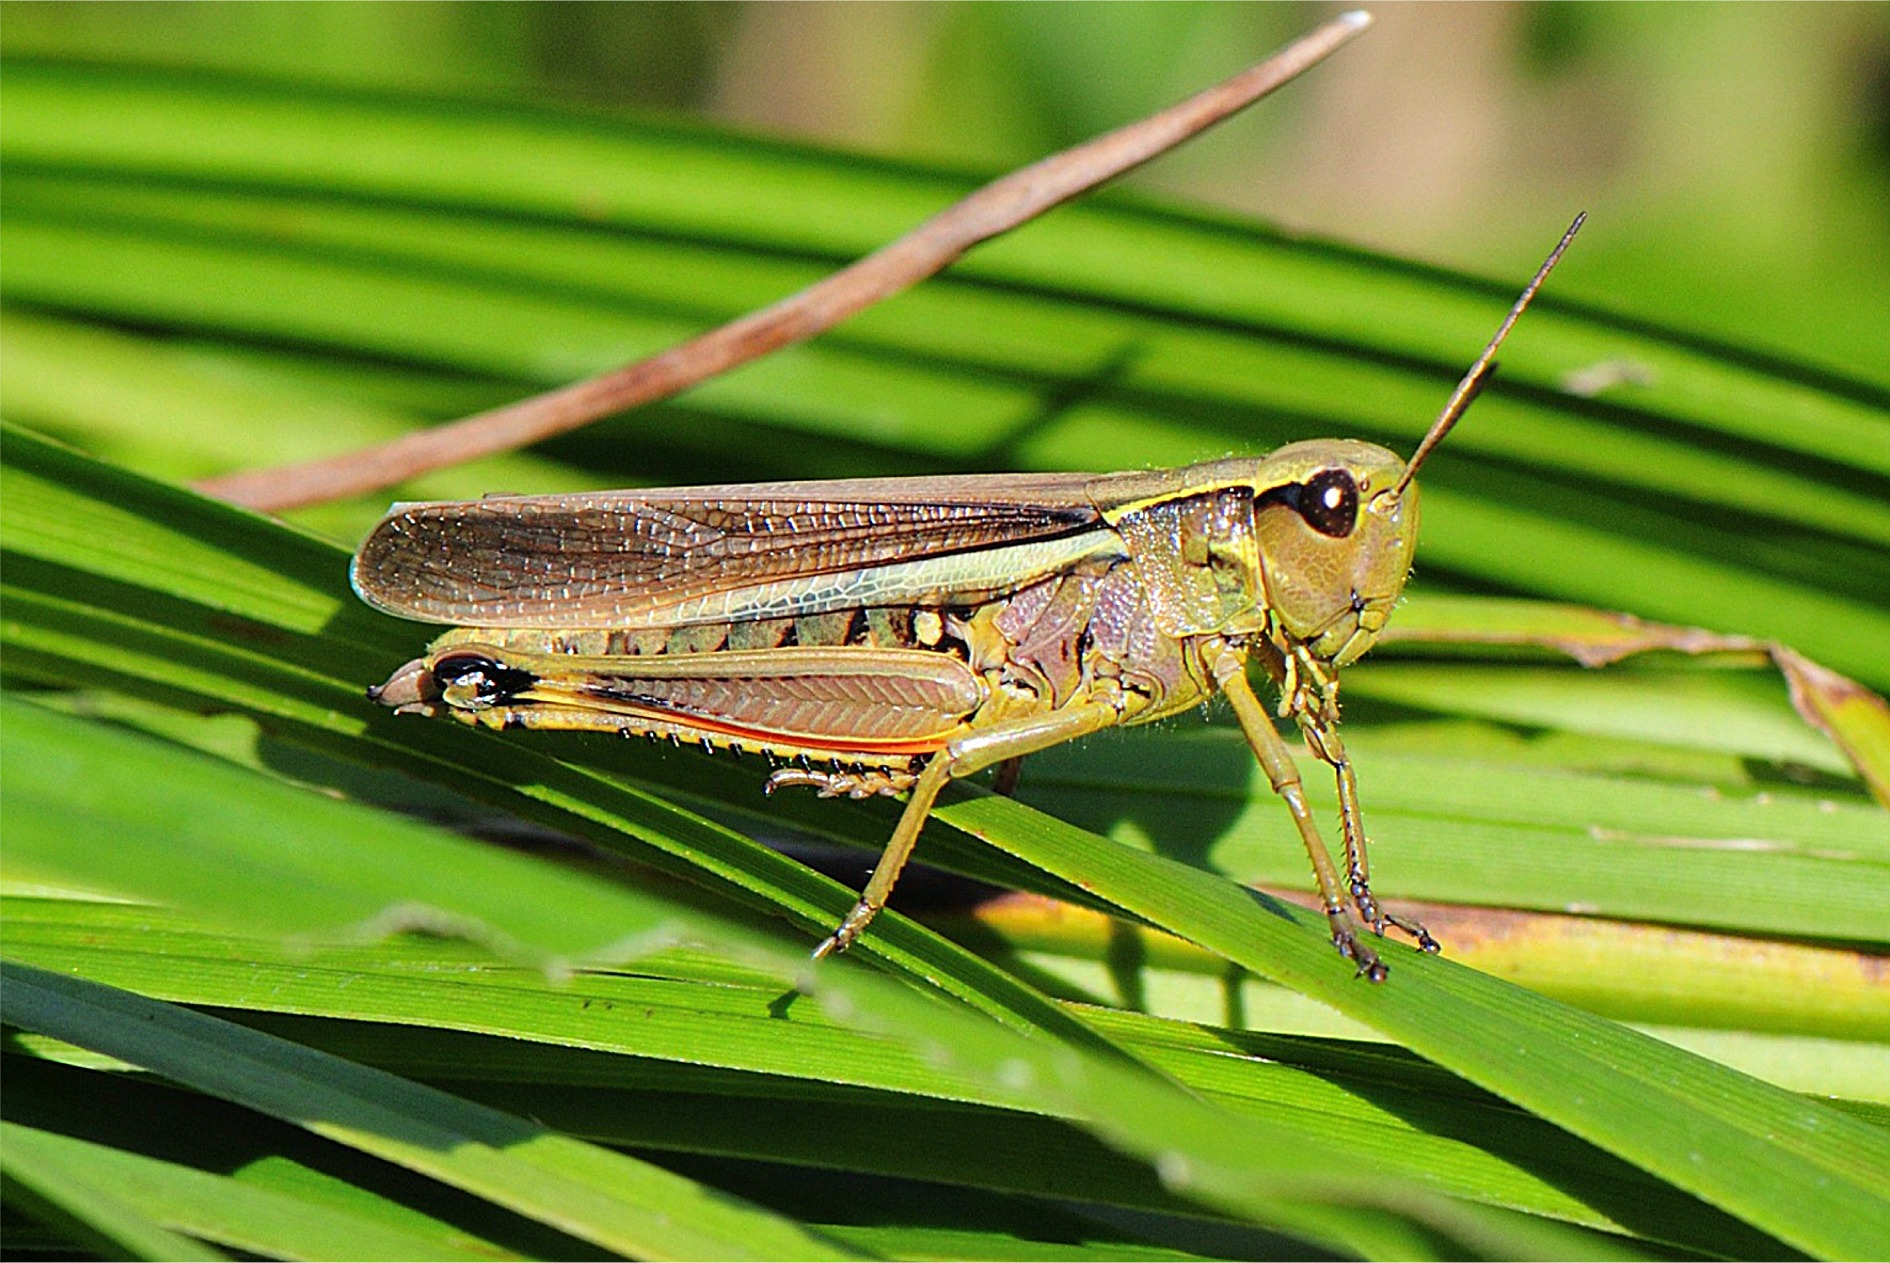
(1479,374)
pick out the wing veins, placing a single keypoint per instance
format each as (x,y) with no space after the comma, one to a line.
(597,559)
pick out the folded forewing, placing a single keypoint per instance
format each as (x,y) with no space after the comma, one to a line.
(705,554)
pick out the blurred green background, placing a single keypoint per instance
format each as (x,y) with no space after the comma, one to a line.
(1735,157)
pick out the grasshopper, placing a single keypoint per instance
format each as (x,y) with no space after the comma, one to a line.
(886,636)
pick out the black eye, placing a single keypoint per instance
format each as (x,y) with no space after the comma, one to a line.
(489,680)
(1329,502)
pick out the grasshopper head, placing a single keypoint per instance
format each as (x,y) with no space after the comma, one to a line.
(1337,520)
(1337,524)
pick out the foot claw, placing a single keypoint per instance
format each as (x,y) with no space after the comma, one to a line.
(847,932)
(1416,930)
(1345,939)
(1378,919)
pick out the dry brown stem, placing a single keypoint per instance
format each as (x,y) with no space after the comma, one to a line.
(992,210)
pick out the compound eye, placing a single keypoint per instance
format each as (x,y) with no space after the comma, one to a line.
(1329,502)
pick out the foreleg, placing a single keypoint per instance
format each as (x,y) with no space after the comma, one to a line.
(1230,674)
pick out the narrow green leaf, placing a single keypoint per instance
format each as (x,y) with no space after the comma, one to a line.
(1799,1170)
(692,1013)
(614,1201)
(1204,1154)
(1829,998)
(218,1208)
(70,806)
(66,1189)
(55,1087)
(1453,830)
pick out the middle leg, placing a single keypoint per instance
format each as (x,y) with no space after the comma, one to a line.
(962,756)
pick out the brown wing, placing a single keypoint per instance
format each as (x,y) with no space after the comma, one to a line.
(724,553)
